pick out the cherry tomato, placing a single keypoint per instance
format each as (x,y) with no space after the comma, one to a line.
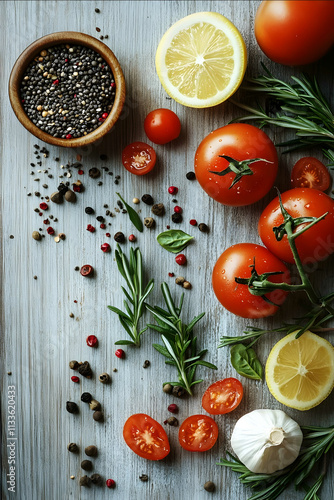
(162,126)
(315,244)
(198,433)
(236,261)
(240,142)
(146,437)
(295,32)
(309,172)
(222,396)
(138,158)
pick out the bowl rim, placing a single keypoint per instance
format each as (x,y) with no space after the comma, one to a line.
(58,38)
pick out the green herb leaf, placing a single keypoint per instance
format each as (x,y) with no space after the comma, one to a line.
(174,240)
(134,217)
(124,342)
(246,362)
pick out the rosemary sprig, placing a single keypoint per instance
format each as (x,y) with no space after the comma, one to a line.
(132,271)
(316,444)
(299,106)
(179,343)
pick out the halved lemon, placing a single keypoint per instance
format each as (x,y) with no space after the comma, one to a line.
(300,372)
(201,60)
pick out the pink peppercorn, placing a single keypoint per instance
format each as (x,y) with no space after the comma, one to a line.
(172,189)
(102,226)
(113,84)
(120,353)
(110,483)
(178,210)
(171,275)
(69,136)
(181,259)
(50,230)
(108,235)
(193,222)
(43,206)
(90,228)
(77,188)
(75,379)
(105,247)
(81,172)
(132,238)
(105,115)
(91,341)
(173,408)
(55,82)
(46,221)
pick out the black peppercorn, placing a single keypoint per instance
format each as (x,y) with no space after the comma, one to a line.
(190,176)
(203,227)
(97,12)
(84,481)
(100,218)
(178,391)
(167,388)
(71,407)
(91,450)
(149,222)
(98,416)
(96,479)
(173,421)
(147,198)
(146,363)
(94,173)
(209,486)
(144,478)
(62,188)
(85,370)
(89,210)
(119,237)
(104,378)
(86,397)
(177,218)
(158,209)
(73,447)
(86,465)
(74,365)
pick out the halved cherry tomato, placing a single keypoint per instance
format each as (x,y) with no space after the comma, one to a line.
(222,396)
(138,158)
(146,437)
(309,172)
(162,126)
(198,433)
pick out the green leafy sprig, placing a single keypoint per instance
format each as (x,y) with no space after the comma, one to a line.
(179,344)
(174,240)
(133,216)
(132,271)
(317,442)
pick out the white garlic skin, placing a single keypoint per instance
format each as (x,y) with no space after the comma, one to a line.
(266,440)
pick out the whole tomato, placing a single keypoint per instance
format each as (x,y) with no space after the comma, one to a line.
(295,32)
(236,262)
(218,176)
(315,244)
(162,126)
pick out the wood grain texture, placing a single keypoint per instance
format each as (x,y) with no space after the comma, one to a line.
(39,338)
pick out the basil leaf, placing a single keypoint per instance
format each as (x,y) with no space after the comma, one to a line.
(134,217)
(174,240)
(246,362)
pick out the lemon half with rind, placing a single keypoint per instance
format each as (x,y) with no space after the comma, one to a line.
(300,372)
(201,60)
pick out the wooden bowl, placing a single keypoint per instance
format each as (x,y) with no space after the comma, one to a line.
(51,40)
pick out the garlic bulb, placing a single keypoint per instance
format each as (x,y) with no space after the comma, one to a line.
(266,440)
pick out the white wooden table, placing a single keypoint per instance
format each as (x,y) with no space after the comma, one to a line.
(39,337)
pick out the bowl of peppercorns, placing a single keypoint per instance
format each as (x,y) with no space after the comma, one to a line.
(67,89)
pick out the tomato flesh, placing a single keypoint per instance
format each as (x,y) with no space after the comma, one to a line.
(222,396)
(198,433)
(146,437)
(309,172)
(315,244)
(240,142)
(162,125)
(236,262)
(139,158)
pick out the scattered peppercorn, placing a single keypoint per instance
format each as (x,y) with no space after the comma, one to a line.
(143,477)
(209,486)
(94,405)
(91,450)
(158,209)
(105,247)
(173,408)
(110,483)
(171,275)
(147,198)
(70,196)
(94,173)
(119,237)
(172,189)
(85,370)
(178,210)
(149,222)
(178,391)
(73,447)
(43,206)
(50,230)
(187,285)
(119,353)
(92,341)
(100,218)
(193,222)
(167,388)
(84,481)
(35,277)
(90,228)
(173,421)
(74,365)
(97,11)
(203,227)
(179,280)
(181,259)
(89,210)
(177,218)
(96,479)
(36,235)
(75,379)
(71,407)
(62,236)
(136,201)
(86,397)
(71,315)
(132,238)
(102,226)
(146,363)
(190,176)
(104,378)
(86,465)
(98,416)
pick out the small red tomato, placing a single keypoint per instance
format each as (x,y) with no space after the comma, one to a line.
(92,341)
(181,259)
(75,379)
(110,483)
(222,396)
(139,158)
(309,172)
(87,270)
(105,247)
(119,353)
(198,433)
(162,126)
